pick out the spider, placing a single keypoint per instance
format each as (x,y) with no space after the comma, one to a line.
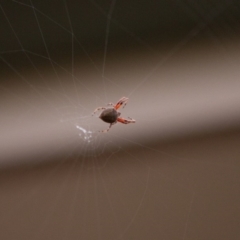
(111,115)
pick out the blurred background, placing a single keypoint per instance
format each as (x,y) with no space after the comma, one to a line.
(174,174)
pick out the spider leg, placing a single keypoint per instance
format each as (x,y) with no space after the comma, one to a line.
(106,130)
(122,101)
(97,109)
(126,121)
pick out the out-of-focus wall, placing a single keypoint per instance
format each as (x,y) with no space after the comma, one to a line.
(174,174)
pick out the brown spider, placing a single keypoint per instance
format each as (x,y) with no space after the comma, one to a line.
(111,115)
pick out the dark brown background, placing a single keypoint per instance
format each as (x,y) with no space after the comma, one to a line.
(172,175)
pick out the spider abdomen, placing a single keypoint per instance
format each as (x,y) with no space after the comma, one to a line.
(109,115)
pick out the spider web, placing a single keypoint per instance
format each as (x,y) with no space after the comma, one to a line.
(61,61)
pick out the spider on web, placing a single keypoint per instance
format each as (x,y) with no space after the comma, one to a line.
(111,115)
